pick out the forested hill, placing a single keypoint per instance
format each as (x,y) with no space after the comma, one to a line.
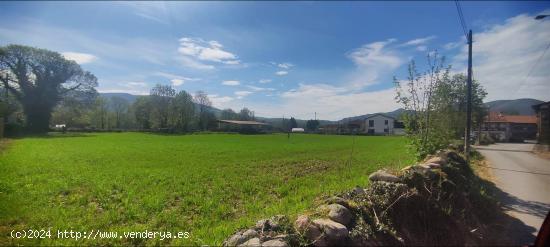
(513,107)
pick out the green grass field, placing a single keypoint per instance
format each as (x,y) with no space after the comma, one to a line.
(209,184)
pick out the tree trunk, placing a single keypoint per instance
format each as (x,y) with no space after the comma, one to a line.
(38,119)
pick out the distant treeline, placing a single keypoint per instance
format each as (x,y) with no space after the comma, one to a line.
(41,90)
(163,109)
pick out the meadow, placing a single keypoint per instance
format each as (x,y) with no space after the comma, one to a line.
(209,185)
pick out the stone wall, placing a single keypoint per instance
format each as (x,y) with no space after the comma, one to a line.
(436,202)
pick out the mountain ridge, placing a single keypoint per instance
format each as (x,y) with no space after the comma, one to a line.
(513,107)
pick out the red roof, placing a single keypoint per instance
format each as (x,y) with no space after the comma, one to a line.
(501,118)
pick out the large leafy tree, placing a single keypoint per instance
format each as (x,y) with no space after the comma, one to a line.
(293,123)
(39,79)
(246,115)
(120,107)
(204,104)
(161,97)
(142,108)
(182,110)
(74,110)
(312,124)
(229,114)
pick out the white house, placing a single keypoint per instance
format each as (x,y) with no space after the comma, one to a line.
(380,124)
(297,130)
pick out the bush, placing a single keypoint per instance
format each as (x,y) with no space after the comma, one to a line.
(14,129)
(486,139)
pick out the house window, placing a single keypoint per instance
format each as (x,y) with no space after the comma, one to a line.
(385,122)
(371,123)
(371,131)
(386,130)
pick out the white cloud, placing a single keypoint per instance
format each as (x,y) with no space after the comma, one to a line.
(258,89)
(176,80)
(265,80)
(505,53)
(231,83)
(330,102)
(131,87)
(242,94)
(115,51)
(220,101)
(155,11)
(196,52)
(419,41)
(373,60)
(285,65)
(333,102)
(282,72)
(136,84)
(421,48)
(80,58)
(453,45)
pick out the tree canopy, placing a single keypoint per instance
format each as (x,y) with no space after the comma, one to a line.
(435,104)
(39,79)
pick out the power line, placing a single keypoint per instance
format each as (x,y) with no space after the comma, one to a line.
(533,67)
(461,19)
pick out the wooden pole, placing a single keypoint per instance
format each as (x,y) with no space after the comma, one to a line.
(468,100)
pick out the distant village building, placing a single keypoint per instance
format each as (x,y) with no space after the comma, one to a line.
(376,124)
(543,122)
(510,128)
(242,126)
(379,124)
(297,130)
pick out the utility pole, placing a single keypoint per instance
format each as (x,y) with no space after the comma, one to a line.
(468,100)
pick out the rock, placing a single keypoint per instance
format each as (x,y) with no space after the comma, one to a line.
(262,224)
(301,222)
(281,236)
(337,200)
(252,242)
(384,177)
(340,214)
(455,157)
(250,233)
(242,237)
(433,165)
(358,191)
(310,230)
(437,160)
(237,239)
(275,243)
(407,168)
(334,232)
(271,224)
(321,242)
(422,167)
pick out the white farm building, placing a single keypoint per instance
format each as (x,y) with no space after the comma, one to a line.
(380,124)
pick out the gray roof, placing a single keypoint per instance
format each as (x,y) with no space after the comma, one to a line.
(384,115)
(238,122)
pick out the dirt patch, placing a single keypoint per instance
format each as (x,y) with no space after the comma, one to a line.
(542,150)
(482,170)
(4,144)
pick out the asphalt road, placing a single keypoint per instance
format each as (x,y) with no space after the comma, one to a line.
(524,179)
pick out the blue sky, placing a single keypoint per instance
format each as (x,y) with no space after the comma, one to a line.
(287,58)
